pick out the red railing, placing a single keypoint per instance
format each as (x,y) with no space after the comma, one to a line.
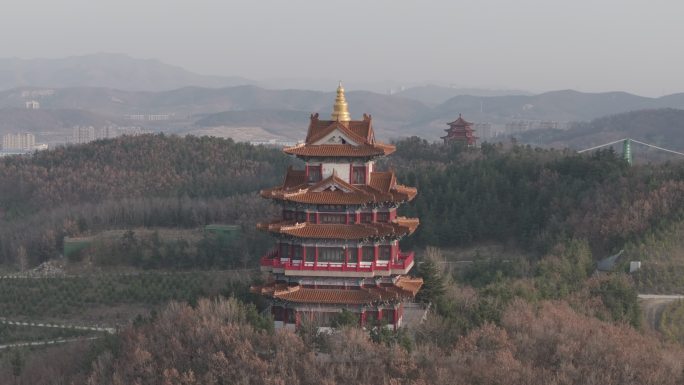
(272,260)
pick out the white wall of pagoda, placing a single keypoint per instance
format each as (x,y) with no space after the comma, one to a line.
(336,137)
(342,169)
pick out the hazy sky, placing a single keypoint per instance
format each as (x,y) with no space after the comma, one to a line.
(536,45)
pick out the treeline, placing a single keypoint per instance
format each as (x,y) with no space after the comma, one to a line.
(534,198)
(661,127)
(39,237)
(223,341)
(131,167)
(152,251)
(149,180)
(529,197)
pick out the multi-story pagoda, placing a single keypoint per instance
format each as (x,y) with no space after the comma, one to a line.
(338,236)
(460,131)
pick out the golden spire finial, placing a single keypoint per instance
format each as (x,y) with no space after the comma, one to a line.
(340,109)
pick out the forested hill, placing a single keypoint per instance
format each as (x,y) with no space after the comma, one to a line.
(531,197)
(662,127)
(143,166)
(535,198)
(129,182)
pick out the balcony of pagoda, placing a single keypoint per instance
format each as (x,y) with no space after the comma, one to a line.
(272,262)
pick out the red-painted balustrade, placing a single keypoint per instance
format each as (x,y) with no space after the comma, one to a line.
(272,260)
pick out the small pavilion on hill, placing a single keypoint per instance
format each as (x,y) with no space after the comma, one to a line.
(460,131)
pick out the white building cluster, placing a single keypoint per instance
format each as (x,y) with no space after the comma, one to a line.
(86,134)
(21,141)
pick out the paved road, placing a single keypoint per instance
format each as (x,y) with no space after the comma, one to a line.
(670,297)
(48,342)
(95,328)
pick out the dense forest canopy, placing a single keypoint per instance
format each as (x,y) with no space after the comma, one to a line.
(539,315)
(535,198)
(149,180)
(530,197)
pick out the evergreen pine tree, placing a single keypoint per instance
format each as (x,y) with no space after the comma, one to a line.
(433,278)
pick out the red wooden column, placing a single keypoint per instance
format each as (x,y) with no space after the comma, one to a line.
(375,255)
(303,255)
(346,256)
(316,257)
(359,254)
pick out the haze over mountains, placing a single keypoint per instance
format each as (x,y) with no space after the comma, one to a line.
(109,89)
(104,70)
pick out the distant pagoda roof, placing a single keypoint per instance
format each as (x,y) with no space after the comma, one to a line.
(460,130)
(460,122)
(405,288)
(397,228)
(382,187)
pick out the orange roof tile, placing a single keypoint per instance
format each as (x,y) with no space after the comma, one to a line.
(294,178)
(357,295)
(382,181)
(409,284)
(460,122)
(358,130)
(382,188)
(404,193)
(341,150)
(328,296)
(333,180)
(400,227)
(409,223)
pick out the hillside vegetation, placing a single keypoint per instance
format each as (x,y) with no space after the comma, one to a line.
(535,198)
(539,315)
(152,180)
(530,197)
(218,342)
(661,127)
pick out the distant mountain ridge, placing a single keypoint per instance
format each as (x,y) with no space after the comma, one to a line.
(662,127)
(284,113)
(107,70)
(433,95)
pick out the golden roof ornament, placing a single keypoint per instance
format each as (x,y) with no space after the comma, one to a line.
(340,109)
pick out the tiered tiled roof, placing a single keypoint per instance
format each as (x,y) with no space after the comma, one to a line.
(383,187)
(460,130)
(399,227)
(460,122)
(358,131)
(346,150)
(404,288)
